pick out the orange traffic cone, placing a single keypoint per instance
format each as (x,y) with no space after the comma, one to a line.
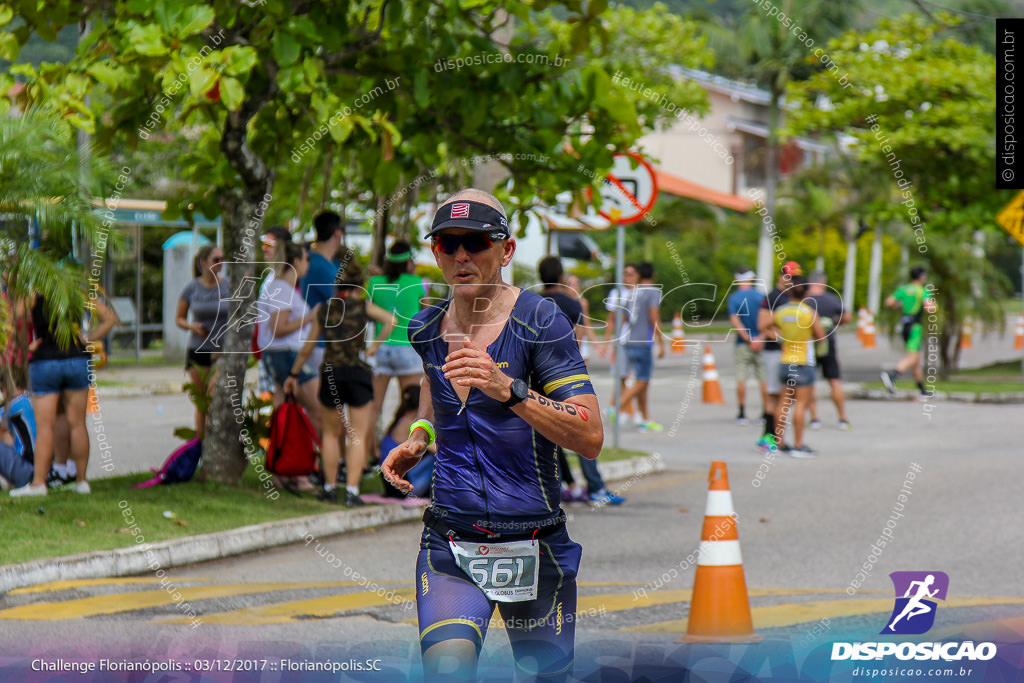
(678,337)
(966,334)
(720,611)
(1018,340)
(92,403)
(712,388)
(862,319)
(868,338)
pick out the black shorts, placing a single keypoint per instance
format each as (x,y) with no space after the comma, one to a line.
(200,359)
(829,366)
(348,385)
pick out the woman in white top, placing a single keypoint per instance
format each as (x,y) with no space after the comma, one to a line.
(286,328)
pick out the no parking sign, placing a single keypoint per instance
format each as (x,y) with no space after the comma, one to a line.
(629,190)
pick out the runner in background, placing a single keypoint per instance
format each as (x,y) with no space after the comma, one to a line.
(914,300)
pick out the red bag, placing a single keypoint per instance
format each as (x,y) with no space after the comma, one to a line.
(290,452)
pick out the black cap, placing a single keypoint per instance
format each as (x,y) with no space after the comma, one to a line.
(471,215)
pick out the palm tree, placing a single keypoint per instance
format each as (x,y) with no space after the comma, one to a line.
(45,213)
(764,46)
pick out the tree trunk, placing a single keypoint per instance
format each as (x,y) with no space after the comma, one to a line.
(765,253)
(850,275)
(244,209)
(380,233)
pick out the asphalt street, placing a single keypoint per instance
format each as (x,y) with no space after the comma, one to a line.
(806,531)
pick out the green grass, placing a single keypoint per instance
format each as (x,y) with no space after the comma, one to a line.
(959,386)
(1006,371)
(70,523)
(609,454)
(126,359)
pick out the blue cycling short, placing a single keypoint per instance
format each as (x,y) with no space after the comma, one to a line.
(541,631)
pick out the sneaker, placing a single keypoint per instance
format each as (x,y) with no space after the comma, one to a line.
(766,443)
(326,496)
(82,487)
(574,495)
(923,397)
(815,424)
(741,419)
(887,381)
(650,426)
(803,452)
(352,500)
(844,425)
(637,419)
(29,490)
(611,414)
(55,481)
(603,497)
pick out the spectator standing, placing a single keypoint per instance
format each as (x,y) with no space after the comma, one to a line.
(399,292)
(831,314)
(206,298)
(552,277)
(771,351)
(345,379)
(795,325)
(744,305)
(286,329)
(617,332)
(59,371)
(644,331)
(272,245)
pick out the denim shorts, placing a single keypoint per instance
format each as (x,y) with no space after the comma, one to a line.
(54,376)
(279,363)
(397,359)
(796,375)
(641,360)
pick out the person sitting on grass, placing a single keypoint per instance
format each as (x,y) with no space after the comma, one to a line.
(396,433)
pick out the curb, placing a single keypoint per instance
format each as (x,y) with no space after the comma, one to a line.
(247,539)
(952,396)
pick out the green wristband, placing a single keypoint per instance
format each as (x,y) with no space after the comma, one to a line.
(425,426)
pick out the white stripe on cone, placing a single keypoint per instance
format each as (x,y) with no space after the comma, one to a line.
(719,504)
(719,554)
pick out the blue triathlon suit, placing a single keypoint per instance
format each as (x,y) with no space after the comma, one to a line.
(496,478)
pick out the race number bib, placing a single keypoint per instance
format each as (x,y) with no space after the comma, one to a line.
(506,572)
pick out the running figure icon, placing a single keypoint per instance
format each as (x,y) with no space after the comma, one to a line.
(915,606)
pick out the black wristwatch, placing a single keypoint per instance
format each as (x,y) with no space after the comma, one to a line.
(520,390)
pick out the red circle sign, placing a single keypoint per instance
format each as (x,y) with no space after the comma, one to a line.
(628,193)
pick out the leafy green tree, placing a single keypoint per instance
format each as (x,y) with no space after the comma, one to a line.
(385,84)
(923,112)
(777,48)
(45,203)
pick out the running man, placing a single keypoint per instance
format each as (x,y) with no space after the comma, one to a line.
(914,605)
(914,300)
(504,385)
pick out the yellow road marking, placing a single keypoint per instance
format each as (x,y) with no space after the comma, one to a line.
(126,602)
(81,583)
(775,616)
(284,612)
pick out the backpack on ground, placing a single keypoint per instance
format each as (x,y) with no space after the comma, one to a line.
(179,466)
(291,451)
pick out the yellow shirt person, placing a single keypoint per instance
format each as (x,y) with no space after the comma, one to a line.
(795,321)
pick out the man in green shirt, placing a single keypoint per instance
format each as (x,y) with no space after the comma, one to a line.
(913,300)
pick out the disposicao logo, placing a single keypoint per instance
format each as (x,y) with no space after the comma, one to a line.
(914,614)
